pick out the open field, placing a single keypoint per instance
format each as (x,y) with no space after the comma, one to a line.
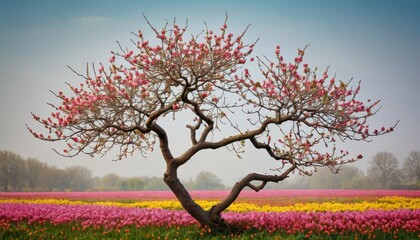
(282,214)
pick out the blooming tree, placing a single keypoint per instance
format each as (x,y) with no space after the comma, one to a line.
(288,110)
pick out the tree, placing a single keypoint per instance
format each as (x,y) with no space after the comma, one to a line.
(33,171)
(351,177)
(17,176)
(155,183)
(54,179)
(79,178)
(384,169)
(12,169)
(131,184)
(411,167)
(324,179)
(287,110)
(207,181)
(110,181)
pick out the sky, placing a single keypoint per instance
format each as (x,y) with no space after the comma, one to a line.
(375,42)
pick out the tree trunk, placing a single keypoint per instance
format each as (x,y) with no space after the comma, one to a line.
(196,211)
(213,218)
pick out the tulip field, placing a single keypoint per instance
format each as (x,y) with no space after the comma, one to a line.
(268,214)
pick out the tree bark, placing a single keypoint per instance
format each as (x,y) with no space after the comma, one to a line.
(246,182)
(195,210)
(213,218)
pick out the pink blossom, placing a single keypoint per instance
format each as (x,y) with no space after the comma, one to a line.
(175,106)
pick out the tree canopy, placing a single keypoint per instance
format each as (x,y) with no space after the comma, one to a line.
(286,108)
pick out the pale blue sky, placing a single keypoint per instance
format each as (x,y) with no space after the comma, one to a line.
(372,41)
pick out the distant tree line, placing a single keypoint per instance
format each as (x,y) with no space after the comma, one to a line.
(384,172)
(19,174)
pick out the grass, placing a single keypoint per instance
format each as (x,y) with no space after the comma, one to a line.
(23,230)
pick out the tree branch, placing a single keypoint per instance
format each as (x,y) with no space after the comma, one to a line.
(285,156)
(246,182)
(257,188)
(194,130)
(226,141)
(163,142)
(198,112)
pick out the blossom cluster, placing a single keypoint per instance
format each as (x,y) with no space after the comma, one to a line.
(121,106)
(124,99)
